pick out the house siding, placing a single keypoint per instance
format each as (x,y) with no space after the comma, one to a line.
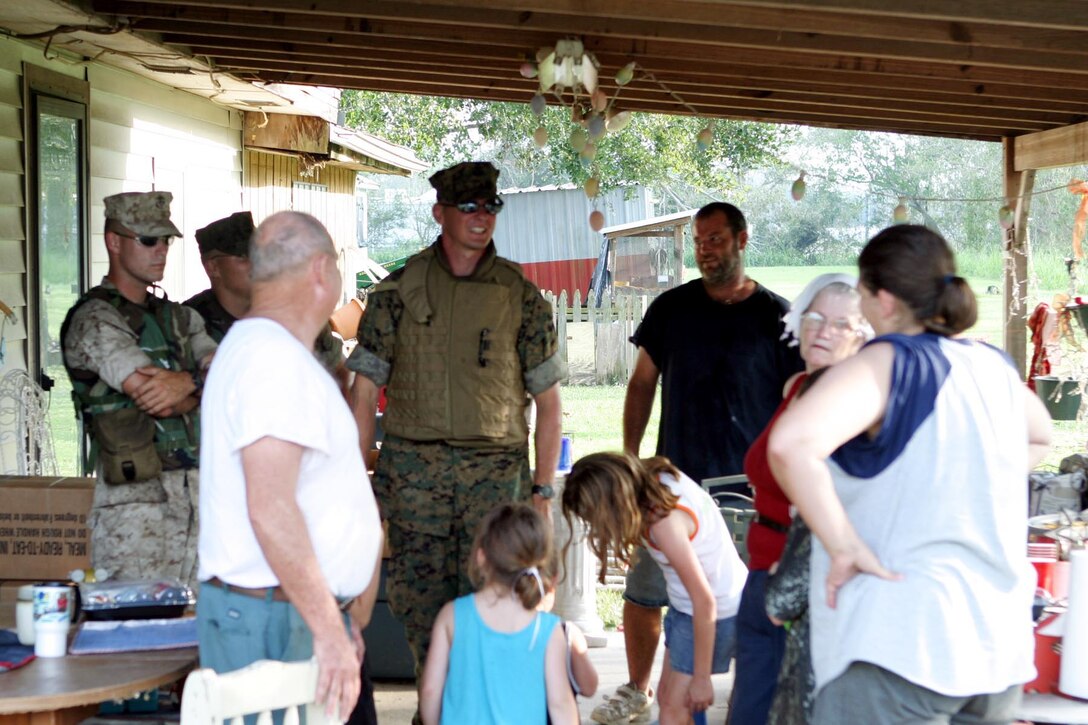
(13,249)
(141,136)
(269,187)
(146,137)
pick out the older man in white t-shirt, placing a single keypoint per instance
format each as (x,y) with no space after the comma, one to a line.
(290,538)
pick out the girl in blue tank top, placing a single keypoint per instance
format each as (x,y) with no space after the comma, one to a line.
(494,658)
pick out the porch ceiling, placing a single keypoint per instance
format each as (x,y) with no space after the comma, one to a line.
(982,69)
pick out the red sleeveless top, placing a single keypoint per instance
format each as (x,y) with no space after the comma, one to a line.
(765,544)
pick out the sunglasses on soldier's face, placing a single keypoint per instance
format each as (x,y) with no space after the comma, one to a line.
(471,207)
(146,240)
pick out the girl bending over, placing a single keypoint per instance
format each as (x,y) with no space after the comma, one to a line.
(625,502)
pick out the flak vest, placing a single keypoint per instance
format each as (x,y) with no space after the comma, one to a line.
(456,375)
(162,338)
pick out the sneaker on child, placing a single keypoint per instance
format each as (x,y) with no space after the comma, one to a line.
(628,705)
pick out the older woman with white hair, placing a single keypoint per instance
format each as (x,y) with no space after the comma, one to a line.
(826,321)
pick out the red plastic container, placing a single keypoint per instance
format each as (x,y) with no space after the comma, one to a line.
(1053,576)
(1048,659)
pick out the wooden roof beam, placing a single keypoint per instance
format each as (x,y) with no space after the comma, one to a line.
(782,112)
(394,18)
(1064,146)
(1069,14)
(697,94)
(648,53)
(795,19)
(207,40)
(422,88)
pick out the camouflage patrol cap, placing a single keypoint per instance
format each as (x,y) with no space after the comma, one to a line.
(229,236)
(146,213)
(467,181)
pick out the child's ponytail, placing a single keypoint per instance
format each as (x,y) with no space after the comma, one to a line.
(516,543)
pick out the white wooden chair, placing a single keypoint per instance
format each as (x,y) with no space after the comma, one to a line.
(210,698)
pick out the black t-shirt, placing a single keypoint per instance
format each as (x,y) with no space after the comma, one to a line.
(722,369)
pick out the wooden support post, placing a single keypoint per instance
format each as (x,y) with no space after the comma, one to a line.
(678,254)
(1019,186)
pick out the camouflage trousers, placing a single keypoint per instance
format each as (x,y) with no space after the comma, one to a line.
(147,530)
(433,496)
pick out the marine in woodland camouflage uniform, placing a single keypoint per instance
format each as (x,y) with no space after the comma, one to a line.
(224,251)
(117,338)
(436,484)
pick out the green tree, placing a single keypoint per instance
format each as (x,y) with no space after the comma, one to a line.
(654,150)
(937,178)
(399,226)
(824,228)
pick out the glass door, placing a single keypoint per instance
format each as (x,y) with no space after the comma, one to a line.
(59,141)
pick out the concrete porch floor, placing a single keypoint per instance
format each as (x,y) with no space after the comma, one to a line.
(396,701)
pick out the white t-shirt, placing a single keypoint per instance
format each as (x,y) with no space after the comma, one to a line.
(724,570)
(264,382)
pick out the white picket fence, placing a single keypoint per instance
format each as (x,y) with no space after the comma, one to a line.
(612,323)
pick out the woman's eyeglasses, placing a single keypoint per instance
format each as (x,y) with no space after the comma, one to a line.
(146,240)
(471,207)
(816,321)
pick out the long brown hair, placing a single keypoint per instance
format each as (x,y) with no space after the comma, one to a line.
(617,495)
(514,538)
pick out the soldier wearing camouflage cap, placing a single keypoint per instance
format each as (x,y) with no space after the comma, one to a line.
(144,213)
(224,251)
(462,341)
(137,361)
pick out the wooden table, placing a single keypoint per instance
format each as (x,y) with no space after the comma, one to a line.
(67,690)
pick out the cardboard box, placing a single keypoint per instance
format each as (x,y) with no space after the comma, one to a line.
(43,526)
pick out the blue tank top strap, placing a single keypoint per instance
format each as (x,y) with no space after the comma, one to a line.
(919,370)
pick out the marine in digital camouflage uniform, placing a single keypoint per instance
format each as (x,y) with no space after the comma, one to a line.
(124,347)
(224,252)
(462,341)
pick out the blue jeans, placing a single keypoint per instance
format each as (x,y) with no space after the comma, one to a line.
(680,642)
(236,630)
(760,647)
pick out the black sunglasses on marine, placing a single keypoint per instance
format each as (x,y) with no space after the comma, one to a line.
(146,240)
(471,207)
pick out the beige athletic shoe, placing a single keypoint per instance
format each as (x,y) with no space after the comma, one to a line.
(628,705)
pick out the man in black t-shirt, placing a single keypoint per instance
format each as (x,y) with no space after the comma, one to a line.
(715,344)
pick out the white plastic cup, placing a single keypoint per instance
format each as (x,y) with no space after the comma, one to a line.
(53,605)
(24,615)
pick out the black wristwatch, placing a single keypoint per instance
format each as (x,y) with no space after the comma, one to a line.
(545,491)
(198,382)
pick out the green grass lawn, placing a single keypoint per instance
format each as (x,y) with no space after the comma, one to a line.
(593,415)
